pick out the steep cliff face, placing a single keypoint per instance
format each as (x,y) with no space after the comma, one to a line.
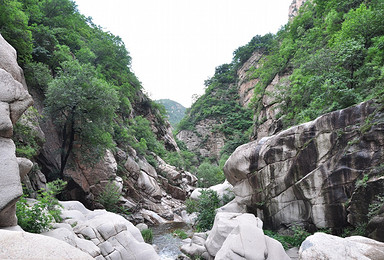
(14,100)
(307,174)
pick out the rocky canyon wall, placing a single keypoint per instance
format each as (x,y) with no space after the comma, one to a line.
(308,173)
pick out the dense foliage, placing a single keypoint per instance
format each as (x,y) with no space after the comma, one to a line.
(38,216)
(206,210)
(84,75)
(333,52)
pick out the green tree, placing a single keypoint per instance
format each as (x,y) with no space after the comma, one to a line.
(209,175)
(14,28)
(83,107)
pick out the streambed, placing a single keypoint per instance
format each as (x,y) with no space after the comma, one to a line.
(167,243)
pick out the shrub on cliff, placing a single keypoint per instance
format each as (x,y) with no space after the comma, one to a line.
(208,202)
(37,217)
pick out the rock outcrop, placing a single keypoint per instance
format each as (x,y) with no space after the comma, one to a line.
(307,173)
(14,100)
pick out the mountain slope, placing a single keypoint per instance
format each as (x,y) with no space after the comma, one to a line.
(175,110)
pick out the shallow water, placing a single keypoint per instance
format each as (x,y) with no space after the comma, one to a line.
(167,243)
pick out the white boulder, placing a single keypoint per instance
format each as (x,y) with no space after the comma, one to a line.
(324,246)
(22,246)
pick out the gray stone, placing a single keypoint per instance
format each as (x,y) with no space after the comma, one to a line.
(223,226)
(10,185)
(6,127)
(324,246)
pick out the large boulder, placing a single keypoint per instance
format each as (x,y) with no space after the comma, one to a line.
(248,242)
(235,236)
(307,173)
(22,245)
(324,246)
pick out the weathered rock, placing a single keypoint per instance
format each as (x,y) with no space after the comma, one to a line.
(375,227)
(102,234)
(233,206)
(367,192)
(6,127)
(25,166)
(172,190)
(195,246)
(169,171)
(10,185)
(67,235)
(22,245)
(324,246)
(14,100)
(13,93)
(93,179)
(223,226)
(149,185)
(247,241)
(306,173)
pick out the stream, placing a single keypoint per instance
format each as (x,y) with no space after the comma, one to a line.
(167,243)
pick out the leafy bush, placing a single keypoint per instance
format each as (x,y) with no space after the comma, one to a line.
(37,217)
(110,197)
(209,175)
(374,207)
(147,235)
(191,205)
(299,235)
(208,202)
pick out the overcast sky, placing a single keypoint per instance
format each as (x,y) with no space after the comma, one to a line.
(175,45)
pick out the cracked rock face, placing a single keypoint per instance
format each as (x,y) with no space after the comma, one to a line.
(14,100)
(307,173)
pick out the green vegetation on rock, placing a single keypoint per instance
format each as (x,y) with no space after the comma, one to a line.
(333,53)
(38,216)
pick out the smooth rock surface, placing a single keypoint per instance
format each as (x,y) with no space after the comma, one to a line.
(324,246)
(26,246)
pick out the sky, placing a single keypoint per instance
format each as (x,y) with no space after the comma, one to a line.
(176,45)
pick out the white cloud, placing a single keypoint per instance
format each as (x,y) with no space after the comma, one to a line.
(176,44)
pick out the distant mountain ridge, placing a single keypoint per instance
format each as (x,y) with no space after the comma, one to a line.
(175,110)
